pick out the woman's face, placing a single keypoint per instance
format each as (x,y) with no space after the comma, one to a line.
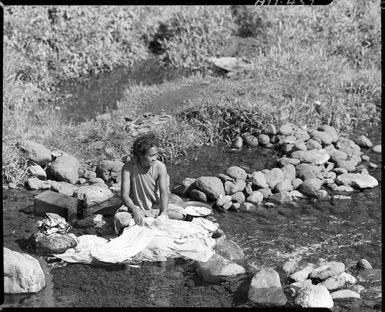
(150,157)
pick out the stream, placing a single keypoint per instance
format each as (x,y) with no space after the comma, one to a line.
(305,230)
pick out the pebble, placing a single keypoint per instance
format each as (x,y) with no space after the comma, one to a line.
(373,165)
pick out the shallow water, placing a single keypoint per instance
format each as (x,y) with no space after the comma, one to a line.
(303,230)
(82,101)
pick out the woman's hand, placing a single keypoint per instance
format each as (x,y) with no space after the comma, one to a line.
(138,216)
(161,218)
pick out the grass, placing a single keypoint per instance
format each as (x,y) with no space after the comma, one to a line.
(314,65)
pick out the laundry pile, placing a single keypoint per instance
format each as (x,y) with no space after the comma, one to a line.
(154,241)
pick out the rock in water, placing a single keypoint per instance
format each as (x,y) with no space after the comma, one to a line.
(363,141)
(377,149)
(54,243)
(334,282)
(230,250)
(327,270)
(255,198)
(345,293)
(263,139)
(218,268)
(109,170)
(238,142)
(266,288)
(314,296)
(93,194)
(211,186)
(303,274)
(65,168)
(281,197)
(310,187)
(35,152)
(236,172)
(22,273)
(357,180)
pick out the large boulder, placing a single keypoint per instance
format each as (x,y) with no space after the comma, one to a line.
(357,180)
(109,170)
(211,186)
(331,131)
(237,173)
(302,274)
(314,296)
(65,168)
(316,157)
(54,243)
(327,270)
(218,268)
(266,289)
(92,194)
(230,250)
(273,177)
(22,273)
(35,152)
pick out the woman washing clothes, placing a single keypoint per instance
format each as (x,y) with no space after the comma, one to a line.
(145,186)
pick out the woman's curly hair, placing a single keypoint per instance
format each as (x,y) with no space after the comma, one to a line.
(143,143)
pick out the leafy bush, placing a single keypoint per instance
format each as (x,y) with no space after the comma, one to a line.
(192,34)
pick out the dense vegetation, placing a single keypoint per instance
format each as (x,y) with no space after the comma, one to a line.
(313,65)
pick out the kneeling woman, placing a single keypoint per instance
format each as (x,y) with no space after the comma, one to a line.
(145,186)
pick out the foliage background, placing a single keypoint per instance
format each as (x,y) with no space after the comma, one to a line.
(314,64)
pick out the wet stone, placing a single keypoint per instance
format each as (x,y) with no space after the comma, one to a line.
(363,264)
(265,288)
(345,293)
(198,195)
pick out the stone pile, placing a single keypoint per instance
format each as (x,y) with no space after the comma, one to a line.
(313,160)
(310,285)
(60,172)
(319,285)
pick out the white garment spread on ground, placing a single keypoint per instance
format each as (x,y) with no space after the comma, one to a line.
(151,242)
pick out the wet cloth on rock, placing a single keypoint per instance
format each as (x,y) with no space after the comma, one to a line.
(154,241)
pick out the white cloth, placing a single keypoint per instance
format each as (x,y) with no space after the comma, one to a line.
(154,241)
